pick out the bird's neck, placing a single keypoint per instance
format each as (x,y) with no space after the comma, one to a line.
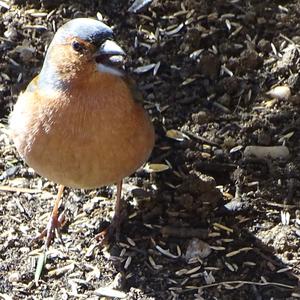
(77,82)
(61,79)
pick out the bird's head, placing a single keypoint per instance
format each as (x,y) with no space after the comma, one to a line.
(79,47)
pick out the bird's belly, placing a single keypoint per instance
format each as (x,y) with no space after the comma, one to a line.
(90,152)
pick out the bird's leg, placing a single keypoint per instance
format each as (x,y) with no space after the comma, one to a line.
(55,221)
(116,221)
(114,227)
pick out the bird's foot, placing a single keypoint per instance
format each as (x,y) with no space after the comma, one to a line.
(112,231)
(52,229)
(105,236)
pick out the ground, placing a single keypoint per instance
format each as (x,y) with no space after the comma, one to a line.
(218,223)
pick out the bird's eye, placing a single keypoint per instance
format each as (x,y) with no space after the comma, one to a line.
(77,46)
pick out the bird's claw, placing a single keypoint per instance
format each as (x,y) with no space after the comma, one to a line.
(52,229)
(112,231)
(105,236)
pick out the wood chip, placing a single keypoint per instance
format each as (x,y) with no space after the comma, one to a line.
(280,92)
(144,69)
(233,253)
(177,135)
(139,5)
(127,262)
(275,152)
(175,30)
(109,292)
(156,168)
(223,227)
(166,252)
(6,188)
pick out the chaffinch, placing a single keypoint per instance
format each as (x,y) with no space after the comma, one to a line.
(78,122)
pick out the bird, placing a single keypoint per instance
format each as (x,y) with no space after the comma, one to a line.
(80,122)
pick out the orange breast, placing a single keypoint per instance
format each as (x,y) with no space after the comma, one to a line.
(93,136)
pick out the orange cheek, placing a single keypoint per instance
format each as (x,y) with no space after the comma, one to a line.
(66,61)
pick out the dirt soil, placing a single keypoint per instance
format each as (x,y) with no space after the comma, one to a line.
(219,223)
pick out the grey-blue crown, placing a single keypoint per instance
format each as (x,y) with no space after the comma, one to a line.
(89,30)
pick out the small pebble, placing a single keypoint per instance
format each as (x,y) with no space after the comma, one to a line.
(14,277)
